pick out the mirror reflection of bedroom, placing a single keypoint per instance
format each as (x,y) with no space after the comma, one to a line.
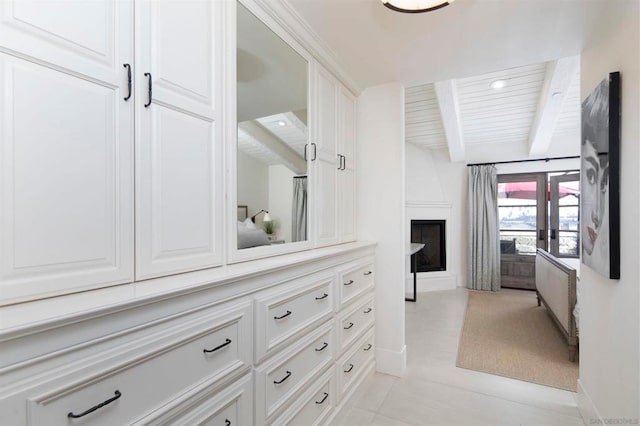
(272,136)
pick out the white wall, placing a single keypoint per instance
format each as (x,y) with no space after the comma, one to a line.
(280,200)
(381,201)
(253,183)
(437,189)
(609,322)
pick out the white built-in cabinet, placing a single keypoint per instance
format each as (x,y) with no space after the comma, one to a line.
(179,220)
(66,147)
(111,172)
(71,87)
(289,349)
(333,159)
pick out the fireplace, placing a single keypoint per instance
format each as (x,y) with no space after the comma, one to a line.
(433,256)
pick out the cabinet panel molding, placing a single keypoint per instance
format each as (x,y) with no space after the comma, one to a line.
(179,211)
(66,222)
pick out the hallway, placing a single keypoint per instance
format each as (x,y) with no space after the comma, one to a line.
(435,392)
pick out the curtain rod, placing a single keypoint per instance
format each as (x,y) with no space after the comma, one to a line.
(524,161)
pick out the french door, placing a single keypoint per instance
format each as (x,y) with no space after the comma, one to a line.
(564,214)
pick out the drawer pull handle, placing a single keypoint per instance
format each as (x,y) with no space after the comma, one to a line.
(283,316)
(366,311)
(326,395)
(368,347)
(368,273)
(324,296)
(95,407)
(277,382)
(227,422)
(350,368)
(322,348)
(349,282)
(226,342)
(349,326)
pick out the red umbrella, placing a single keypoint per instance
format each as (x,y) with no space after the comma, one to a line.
(527,190)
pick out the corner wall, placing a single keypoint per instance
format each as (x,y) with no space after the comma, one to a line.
(609,321)
(381,206)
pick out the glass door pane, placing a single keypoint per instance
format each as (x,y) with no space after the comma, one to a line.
(564,215)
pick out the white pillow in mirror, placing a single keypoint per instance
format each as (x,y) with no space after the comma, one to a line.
(249,224)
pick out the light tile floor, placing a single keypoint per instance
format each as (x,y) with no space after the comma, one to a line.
(435,392)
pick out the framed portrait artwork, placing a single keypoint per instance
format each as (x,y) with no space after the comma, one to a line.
(600,178)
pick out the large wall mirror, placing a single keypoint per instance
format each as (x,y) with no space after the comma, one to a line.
(272,98)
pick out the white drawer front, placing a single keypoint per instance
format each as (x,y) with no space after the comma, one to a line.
(211,406)
(354,321)
(231,407)
(314,405)
(281,315)
(353,364)
(280,379)
(126,391)
(355,281)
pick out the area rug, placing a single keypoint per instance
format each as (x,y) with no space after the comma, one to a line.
(508,334)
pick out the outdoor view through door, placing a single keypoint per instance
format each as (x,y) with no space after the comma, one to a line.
(536,210)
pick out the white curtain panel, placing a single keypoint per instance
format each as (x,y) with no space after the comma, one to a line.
(299,213)
(484,235)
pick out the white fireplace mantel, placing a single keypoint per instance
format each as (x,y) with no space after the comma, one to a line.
(431,210)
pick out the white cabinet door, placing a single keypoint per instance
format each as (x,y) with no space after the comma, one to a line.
(347,176)
(323,153)
(179,220)
(66,147)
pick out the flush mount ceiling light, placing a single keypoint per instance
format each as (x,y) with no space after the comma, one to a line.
(281,123)
(416,6)
(498,84)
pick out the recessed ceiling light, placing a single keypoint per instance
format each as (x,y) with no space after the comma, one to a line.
(499,84)
(281,123)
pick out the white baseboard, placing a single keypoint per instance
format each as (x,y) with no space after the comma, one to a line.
(431,281)
(391,362)
(588,410)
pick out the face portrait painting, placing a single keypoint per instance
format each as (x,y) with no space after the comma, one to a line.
(594,179)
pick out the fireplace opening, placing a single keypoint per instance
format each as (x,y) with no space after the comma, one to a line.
(433,256)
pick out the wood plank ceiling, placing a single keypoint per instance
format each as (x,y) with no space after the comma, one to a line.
(493,117)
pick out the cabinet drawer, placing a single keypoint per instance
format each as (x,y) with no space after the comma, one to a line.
(279,380)
(353,364)
(231,406)
(206,347)
(283,314)
(315,404)
(354,281)
(354,321)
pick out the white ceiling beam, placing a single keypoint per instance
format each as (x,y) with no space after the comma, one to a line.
(447,94)
(557,80)
(276,145)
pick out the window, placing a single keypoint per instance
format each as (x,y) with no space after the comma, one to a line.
(564,214)
(539,210)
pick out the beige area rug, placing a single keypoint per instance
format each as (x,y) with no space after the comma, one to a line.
(509,335)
